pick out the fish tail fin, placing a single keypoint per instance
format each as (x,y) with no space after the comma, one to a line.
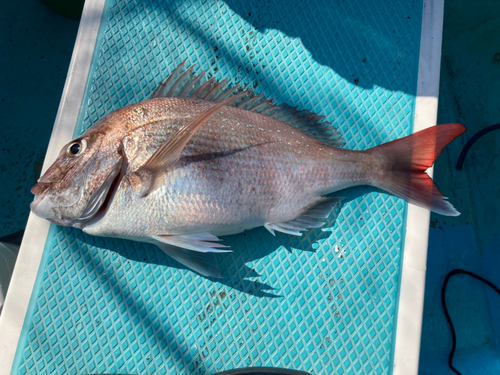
(403,164)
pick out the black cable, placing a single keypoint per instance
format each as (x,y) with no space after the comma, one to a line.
(443,301)
(262,371)
(471,141)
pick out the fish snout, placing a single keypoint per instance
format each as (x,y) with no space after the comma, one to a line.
(40,188)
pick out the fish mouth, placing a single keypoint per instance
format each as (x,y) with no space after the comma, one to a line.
(34,206)
(40,188)
(42,207)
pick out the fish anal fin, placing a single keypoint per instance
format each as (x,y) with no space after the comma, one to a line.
(319,210)
(322,208)
(278,227)
(203,263)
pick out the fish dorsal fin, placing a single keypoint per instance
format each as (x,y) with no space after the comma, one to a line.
(184,83)
(320,210)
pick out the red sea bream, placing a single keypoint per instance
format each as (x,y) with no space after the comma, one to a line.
(201,159)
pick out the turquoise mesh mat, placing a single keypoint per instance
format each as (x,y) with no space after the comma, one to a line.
(324,303)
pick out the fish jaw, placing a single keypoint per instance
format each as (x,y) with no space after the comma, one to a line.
(43,207)
(48,207)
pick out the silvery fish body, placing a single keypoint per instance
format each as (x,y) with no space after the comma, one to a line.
(201,160)
(241,170)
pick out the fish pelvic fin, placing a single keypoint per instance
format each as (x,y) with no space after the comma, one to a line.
(203,263)
(401,166)
(201,242)
(195,251)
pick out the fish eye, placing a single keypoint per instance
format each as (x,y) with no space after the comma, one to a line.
(77,147)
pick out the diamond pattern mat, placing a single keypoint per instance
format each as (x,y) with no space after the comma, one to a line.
(324,303)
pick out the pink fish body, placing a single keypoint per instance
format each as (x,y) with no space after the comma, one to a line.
(201,160)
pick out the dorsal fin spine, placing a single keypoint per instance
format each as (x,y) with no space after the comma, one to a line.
(215,92)
(178,83)
(262,106)
(164,87)
(205,88)
(192,87)
(183,83)
(251,101)
(228,92)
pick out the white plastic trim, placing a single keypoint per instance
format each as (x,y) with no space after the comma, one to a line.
(30,253)
(411,296)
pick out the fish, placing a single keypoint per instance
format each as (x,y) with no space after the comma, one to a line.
(202,159)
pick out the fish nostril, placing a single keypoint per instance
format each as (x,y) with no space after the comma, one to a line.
(40,188)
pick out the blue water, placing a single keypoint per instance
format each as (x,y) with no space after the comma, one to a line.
(35,50)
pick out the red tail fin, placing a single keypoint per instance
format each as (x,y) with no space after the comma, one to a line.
(405,161)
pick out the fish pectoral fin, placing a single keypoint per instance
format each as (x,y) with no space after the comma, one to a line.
(149,177)
(203,263)
(319,210)
(200,242)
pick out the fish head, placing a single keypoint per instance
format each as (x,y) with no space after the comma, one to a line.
(77,184)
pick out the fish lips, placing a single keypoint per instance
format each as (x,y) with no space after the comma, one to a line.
(40,188)
(41,206)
